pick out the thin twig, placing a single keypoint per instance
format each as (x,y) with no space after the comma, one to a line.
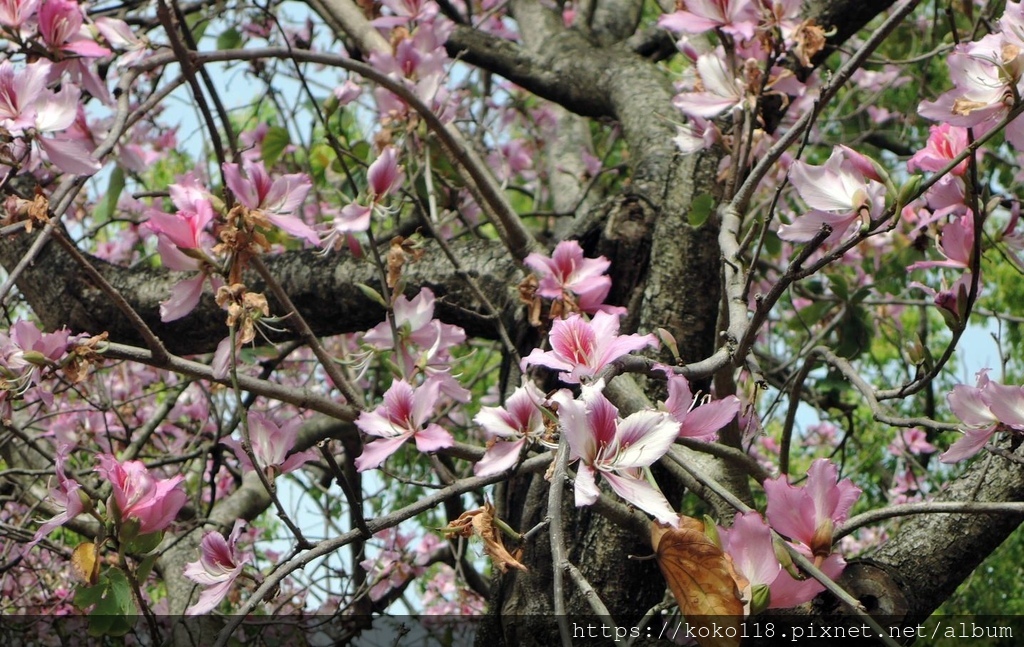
(557,535)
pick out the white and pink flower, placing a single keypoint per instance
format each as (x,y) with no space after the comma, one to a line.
(402,416)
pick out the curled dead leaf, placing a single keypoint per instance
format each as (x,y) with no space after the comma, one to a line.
(85,562)
(701,579)
(481,522)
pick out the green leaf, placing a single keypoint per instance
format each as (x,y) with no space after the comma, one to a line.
(320,158)
(274,143)
(197,23)
(372,294)
(229,39)
(145,567)
(855,333)
(86,596)
(105,208)
(144,544)
(114,611)
(700,209)
(840,287)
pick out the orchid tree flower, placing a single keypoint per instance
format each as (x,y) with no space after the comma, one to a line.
(581,348)
(986,76)
(183,244)
(721,89)
(750,545)
(15,14)
(911,441)
(384,174)
(569,276)
(65,496)
(699,418)
(27,105)
(845,190)
(983,409)
(518,423)
(809,514)
(275,201)
(24,353)
(60,27)
(956,243)
(220,564)
(951,300)
(401,417)
(271,445)
(736,17)
(424,342)
(140,497)
(945,143)
(616,448)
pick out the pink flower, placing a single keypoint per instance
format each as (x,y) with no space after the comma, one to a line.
(185,227)
(220,563)
(424,342)
(60,26)
(120,36)
(15,13)
(568,275)
(65,498)
(956,244)
(184,230)
(152,503)
(271,444)
(384,174)
(945,142)
(352,219)
(721,89)
(400,418)
(749,543)
(841,192)
(809,514)
(347,92)
(617,448)
(699,418)
(276,200)
(581,348)
(983,409)
(986,76)
(952,301)
(736,17)
(520,421)
(913,441)
(24,353)
(26,103)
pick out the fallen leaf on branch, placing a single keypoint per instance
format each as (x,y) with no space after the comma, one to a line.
(701,579)
(480,522)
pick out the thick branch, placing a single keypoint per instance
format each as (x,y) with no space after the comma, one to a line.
(323,288)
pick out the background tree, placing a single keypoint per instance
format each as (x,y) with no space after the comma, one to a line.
(737,265)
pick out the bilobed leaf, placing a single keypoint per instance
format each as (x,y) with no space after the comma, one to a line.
(274,143)
(700,578)
(700,209)
(114,612)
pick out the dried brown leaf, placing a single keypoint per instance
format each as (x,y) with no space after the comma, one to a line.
(701,580)
(480,522)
